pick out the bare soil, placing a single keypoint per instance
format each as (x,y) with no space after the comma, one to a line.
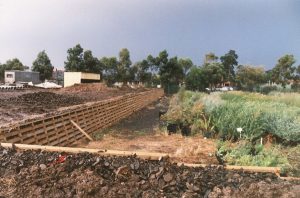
(143,131)
(44,174)
(17,105)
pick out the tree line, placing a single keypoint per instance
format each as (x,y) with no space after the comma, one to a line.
(167,71)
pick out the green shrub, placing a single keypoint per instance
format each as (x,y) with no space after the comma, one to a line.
(257,118)
(268,89)
(296,87)
(245,154)
(256,114)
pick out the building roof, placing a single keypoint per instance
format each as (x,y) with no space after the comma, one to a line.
(21,71)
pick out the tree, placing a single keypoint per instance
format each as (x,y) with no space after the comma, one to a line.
(284,70)
(80,60)
(171,72)
(12,64)
(153,65)
(123,68)
(75,61)
(186,64)
(2,69)
(250,77)
(297,77)
(210,57)
(196,80)
(91,63)
(214,73)
(109,69)
(43,65)
(143,71)
(229,61)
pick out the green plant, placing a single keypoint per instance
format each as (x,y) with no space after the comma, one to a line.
(246,154)
(257,115)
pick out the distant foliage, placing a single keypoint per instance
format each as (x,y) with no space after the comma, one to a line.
(196,80)
(12,64)
(42,64)
(268,89)
(80,60)
(250,77)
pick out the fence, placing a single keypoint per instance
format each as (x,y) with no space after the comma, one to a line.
(57,130)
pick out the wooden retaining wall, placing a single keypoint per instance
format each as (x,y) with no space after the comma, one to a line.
(57,130)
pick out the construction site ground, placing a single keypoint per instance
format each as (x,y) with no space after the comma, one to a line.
(29,173)
(52,174)
(144,131)
(17,105)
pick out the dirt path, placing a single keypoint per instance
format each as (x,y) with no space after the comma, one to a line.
(141,132)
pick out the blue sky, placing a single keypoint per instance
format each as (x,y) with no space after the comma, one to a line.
(259,31)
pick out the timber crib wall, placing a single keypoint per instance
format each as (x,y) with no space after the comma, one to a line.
(57,130)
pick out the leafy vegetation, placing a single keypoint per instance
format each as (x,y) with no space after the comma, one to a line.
(43,65)
(249,77)
(258,115)
(244,153)
(13,64)
(276,115)
(257,118)
(82,60)
(284,70)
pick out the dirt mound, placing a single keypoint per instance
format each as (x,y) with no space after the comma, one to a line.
(91,92)
(39,102)
(43,174)
(87,87)
(132,88)
(46,98)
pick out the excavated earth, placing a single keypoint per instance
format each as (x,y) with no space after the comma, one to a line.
(45,174)
(18,105)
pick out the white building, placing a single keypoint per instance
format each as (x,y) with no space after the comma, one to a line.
(14,76)
(72,78)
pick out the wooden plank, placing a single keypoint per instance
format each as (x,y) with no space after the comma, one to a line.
(275,170)
(290,178)
(82,131)
(143,155)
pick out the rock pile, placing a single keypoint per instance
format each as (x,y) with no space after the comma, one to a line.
(45,174)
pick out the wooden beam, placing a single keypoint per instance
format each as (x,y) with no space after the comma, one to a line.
(260,169)
(290,178)
(82,131)
(142,155)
